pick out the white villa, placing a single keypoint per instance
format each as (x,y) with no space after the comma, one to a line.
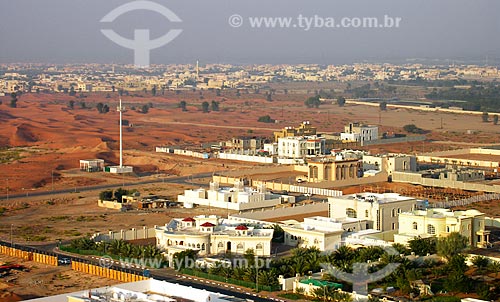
(440,223)
(237,198)
(210,235)
(322,232)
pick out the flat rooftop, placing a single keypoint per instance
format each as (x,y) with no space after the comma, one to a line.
(373,197)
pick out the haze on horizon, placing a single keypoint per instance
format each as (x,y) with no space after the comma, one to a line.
(61,31)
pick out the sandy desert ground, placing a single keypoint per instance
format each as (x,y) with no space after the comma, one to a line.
(43,137)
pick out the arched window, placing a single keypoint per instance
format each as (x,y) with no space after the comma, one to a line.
(415,226)
(239,246)
(393,213)
(198,246)
(258,246)
(221,245)
(351,213)
(431,229)
(203,247)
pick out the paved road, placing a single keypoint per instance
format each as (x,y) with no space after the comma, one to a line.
(175,180)
(164,275)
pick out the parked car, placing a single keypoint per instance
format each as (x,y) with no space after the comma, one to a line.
(64,261)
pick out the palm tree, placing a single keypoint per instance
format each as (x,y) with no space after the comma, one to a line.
(494,267)
(267,278)
(299,266)
(481,263)
(238,273)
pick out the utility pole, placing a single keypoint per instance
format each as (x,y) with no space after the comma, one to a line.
(7,190)
(11,240)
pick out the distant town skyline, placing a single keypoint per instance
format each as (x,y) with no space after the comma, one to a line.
(57,31)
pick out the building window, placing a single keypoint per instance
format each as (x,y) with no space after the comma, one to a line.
(415,226)
(239,246)
(366,213)
(258,246)
(220,245)
(351,213)
(393,226)
(393,213)
(468,227)
(447,229)
(431,229)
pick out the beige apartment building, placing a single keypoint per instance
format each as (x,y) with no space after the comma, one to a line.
(381,209)
(440,223)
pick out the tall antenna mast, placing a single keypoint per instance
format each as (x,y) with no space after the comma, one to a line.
(120,109)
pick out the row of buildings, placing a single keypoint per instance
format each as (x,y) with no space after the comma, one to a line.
(107,77)
(351,218)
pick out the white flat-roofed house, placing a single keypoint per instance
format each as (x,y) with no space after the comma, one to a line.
(359,132)
(236,198)
(92,165)
(301,146)
(324,233)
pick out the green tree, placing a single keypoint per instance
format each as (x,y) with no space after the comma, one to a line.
(99,107)
(383,106)
(313,102)
(153,90)
(183,259)
(411,128)
(183,105)
(119,193)
(451,245)
(341,101)
(13,100)
(71,104)
(494,267)
(249,257)
(83,105)
(269,97)
(485,117)
(495,119)
(205,106)
(265,119)
(144,109)
(423,246)
(72,91)
(215,106)
(481,263)
(456,280)
(106,195)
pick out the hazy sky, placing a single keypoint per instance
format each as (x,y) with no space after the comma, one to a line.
(68,31)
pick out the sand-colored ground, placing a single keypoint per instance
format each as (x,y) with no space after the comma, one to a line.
(42,280)
(74,215)
(54,137)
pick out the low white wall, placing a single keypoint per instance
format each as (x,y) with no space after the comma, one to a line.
(230,205)
(249,158)
(132,234)
(293,210)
